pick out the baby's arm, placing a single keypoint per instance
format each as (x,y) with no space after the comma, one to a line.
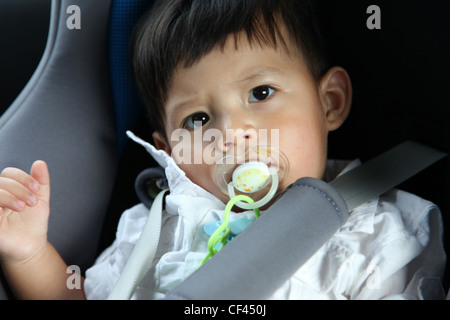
(33,267)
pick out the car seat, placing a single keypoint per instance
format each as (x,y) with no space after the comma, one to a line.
(66,116)
(75,109)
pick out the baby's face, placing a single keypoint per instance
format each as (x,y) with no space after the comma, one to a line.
(247,87)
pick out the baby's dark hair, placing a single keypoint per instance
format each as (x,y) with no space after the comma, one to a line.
(180,32)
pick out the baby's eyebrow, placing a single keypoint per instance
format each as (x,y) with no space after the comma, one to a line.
(176,108)
(261,73)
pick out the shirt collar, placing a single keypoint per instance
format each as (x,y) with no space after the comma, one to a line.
(177,180)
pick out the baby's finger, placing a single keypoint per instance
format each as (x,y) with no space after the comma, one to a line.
(22,177)
(18,190)
(9,201)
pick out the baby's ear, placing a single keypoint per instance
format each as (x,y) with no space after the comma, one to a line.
(160,142)
(336,96)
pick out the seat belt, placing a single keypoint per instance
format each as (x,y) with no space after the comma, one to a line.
(142,256)
(384,172)
(305,216)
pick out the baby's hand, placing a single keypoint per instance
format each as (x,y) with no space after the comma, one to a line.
(24,212)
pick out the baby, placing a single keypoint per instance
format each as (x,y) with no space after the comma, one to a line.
(244,66)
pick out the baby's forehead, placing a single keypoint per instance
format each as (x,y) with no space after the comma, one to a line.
(236,43)
(240,53)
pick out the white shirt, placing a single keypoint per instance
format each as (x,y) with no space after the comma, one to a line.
(390,247)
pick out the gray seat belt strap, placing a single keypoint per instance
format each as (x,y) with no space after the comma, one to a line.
(384,172)
(307,214)
(263,257)
(142,256)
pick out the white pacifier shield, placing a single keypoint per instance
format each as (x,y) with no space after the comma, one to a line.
(251,177)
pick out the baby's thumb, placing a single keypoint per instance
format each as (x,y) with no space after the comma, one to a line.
(39,171)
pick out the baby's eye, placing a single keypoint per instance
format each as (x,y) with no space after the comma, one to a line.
(260,93)
(196,120)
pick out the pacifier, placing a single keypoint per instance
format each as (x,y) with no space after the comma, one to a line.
(251,180)
(257,173)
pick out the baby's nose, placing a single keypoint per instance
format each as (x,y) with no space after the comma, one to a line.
(239,130)
(238,141)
